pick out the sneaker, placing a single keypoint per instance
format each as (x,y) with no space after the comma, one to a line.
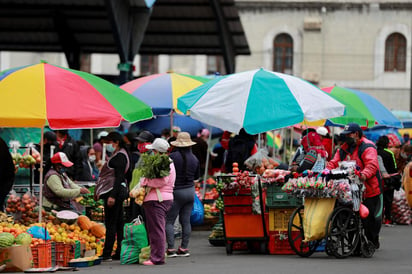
(183,252)
(171,253)
(107,259)
(388,223)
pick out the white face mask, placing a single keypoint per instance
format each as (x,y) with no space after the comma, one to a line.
(92,158)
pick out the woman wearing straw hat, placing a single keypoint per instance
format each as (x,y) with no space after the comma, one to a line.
(187,171)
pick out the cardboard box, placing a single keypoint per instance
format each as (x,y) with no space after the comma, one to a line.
(16,258)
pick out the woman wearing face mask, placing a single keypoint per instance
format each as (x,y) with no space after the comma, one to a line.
(109,187)
(59,190)
(90,171)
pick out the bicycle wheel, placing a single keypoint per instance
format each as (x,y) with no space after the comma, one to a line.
(342,232)
(296,235)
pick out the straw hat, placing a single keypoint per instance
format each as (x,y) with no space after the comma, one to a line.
(183,140)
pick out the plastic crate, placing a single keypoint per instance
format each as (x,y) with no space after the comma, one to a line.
(75,250)
(42,255)
(279,243)
(276,198)
(279,218)
(62,254)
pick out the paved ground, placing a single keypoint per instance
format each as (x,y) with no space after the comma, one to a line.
(393,257)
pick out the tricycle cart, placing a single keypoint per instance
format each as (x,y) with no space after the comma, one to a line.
(244,218)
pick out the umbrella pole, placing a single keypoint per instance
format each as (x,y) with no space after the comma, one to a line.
(207,163)
(291,141)
(41,175)
(171,122)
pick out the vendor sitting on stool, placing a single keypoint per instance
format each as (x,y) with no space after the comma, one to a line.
(59,190)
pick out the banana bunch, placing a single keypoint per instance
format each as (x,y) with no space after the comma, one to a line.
(5,218)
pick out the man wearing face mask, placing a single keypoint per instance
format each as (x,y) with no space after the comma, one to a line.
(59,191)
(357,148)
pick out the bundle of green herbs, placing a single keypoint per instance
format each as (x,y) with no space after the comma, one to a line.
(155,165)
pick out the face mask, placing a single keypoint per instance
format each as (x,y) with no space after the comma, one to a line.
(350,141)
(110,148)
(404,155)
(61,170)
(92,158)
(142,147)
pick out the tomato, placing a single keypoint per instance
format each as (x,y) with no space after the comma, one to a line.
(235,164)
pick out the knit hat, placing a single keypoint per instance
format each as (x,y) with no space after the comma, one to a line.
(393,140)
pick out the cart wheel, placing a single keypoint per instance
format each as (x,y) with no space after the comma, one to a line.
(342,232)
(229,248)
(367,249)
(296,235)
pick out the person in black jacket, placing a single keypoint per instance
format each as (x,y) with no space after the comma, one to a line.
(68,145)
(240,148)
(6,172)
(389,177)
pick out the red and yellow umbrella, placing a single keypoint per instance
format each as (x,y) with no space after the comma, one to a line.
(44,94)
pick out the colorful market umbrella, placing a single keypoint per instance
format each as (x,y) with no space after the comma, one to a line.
(402,115)
(160,91)
(44,94)
(258,101)
(361,108)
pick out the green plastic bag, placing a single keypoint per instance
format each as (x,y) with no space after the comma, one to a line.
(135,238)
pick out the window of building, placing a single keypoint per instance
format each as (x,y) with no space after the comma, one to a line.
(149,64)
(283,53)
(215,64)
(395,52)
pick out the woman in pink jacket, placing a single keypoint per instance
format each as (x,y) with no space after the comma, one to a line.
(157,203)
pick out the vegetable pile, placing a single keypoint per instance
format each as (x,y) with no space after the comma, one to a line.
(155,165)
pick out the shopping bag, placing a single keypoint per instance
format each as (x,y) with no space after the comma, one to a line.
(144,254)
(198,212)
(401,213)
(317,212)
(135,238)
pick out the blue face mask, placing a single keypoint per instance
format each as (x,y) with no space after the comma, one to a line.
(110,148)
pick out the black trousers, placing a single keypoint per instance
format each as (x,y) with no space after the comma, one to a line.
(387,203)
(373,222)
(113,220)
(5,189)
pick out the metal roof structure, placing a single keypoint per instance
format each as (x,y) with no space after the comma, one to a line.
(125,27)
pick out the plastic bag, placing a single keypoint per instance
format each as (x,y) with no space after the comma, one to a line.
(39,232)
(135,238)
(138,193)
(144,254)
(401,213)
(260,159)
(198,212)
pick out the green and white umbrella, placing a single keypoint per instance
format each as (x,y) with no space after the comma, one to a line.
(258,100)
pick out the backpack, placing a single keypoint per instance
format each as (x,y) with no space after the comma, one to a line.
(363,146)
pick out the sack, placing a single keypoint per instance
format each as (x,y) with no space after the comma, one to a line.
(135,238)
(317,212)
(401,213)
(198,212)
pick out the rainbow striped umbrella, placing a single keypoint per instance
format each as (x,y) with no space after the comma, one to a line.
(361,108)
(160,91)
(44,94)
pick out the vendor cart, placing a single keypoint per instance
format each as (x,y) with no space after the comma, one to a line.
(244,218)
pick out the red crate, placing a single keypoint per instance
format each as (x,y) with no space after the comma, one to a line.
(278,242)
(62,254)
(42,255)
(238,209)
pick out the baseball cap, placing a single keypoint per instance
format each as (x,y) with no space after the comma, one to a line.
(159,144)
(61,158)
(351,128)
(322,131)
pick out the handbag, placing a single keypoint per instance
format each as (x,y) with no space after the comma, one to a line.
(135,238)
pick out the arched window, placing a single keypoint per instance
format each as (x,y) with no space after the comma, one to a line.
(395,52)
(283,53)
